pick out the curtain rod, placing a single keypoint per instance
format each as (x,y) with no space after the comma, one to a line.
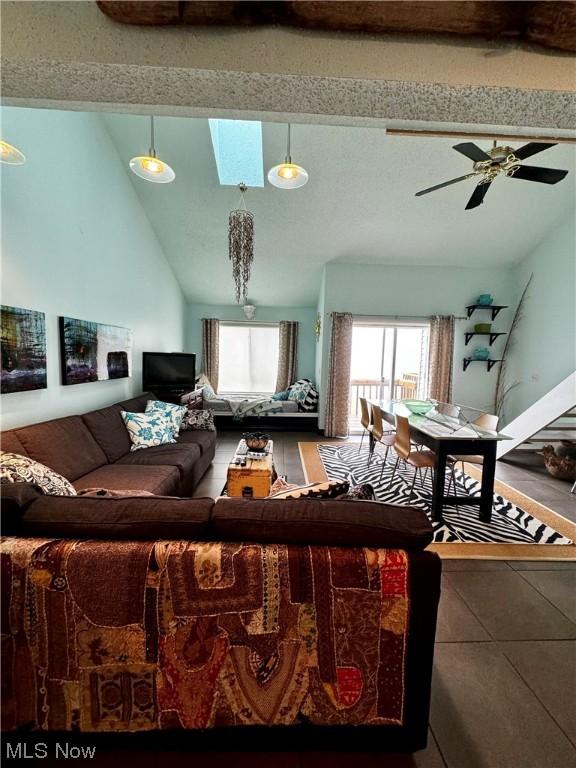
(403,317)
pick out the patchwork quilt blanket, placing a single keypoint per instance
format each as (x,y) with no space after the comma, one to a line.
(132,636)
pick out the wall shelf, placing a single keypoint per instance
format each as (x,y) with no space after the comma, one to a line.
(494,309)
(493,336)
(490,363)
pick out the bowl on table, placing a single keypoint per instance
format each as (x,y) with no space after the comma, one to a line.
(418,407)
(256,441)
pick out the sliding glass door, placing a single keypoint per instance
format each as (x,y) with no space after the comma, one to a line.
(389,361)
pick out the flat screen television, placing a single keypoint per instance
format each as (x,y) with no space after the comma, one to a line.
(168,369)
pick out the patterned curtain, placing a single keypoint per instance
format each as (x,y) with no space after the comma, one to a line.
(338,396)
(441,357)
(210,350)
(287,355)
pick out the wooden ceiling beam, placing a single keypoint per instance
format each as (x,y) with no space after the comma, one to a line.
(551,24)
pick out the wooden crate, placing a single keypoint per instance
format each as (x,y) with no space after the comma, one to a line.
(253,480)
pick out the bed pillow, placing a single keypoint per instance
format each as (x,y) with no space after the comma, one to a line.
(198,420)
(305,394)
(15,468)
(173,413)
(148,429)
(281,395)
(208,390)
(329,489)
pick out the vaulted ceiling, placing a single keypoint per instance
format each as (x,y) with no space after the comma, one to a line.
(359,206)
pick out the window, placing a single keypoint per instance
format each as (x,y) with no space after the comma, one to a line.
(389,361)
(248,358)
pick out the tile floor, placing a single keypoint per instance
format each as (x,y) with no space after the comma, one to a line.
(504,690)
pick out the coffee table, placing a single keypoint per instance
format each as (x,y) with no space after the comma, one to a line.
(252,479)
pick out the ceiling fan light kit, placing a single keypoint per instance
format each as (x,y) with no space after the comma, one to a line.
(500,160)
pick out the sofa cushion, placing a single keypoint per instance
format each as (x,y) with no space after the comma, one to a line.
(163,481)
(148,518)
(15,468)
(200,437)
(137,404)
(65,445)
(195,419)
(181,456)
(328,489)
(108,429)
(10,442)
(323,522)
(148,429)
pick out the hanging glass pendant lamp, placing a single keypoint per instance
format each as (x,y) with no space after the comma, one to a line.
(288,175)
(150,167)
(10,154)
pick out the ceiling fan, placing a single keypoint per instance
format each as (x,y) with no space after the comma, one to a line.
(500,160)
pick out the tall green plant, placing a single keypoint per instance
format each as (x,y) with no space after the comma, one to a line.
(502,391)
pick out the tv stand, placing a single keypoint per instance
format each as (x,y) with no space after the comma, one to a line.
(170,394)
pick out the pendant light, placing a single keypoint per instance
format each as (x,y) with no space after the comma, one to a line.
(10,154)
(288,175)
(149,167)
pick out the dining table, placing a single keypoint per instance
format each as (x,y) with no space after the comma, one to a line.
(450,435)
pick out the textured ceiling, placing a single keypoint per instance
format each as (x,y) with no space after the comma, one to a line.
(358,206)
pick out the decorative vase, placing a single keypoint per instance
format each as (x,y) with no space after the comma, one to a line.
(481,353)
(484,299)
(482,327)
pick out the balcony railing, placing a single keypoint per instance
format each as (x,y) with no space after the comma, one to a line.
(375,389)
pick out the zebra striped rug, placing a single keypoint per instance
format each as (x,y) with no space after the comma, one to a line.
(510,524)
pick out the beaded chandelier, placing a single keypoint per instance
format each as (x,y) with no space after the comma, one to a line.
(241,246)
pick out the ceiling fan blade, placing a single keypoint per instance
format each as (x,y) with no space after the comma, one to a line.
(444,184)
(531,149)
(543,175)
(471,151)
(478,195)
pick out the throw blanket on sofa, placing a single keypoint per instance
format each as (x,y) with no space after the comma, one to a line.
(131,636)
(257,406)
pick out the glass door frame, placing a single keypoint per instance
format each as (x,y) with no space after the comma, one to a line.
(393,323)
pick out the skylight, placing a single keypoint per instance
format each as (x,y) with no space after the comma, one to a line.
(238,151)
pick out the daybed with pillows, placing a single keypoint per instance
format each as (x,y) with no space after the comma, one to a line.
(295,408)
(138,444)
(260,624)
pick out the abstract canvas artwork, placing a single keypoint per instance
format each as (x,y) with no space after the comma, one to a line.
(23,350)
(94,351)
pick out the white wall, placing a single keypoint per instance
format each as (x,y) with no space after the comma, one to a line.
(76,242)
(371,289)
(543,348)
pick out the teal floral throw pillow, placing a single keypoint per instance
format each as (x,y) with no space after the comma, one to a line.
(174,413)
(148,429)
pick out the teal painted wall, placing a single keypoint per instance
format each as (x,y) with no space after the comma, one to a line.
(543,350)
(76,242)
(373,289)
(306,316)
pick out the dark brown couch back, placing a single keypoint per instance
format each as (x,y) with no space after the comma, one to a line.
(65,445)
(76,445)
(108,428)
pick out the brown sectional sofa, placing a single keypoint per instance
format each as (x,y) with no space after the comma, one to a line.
(93,451)
(218,622)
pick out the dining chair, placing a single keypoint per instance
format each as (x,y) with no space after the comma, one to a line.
(485,421)
(419,459)
(365,421)
(381,434)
